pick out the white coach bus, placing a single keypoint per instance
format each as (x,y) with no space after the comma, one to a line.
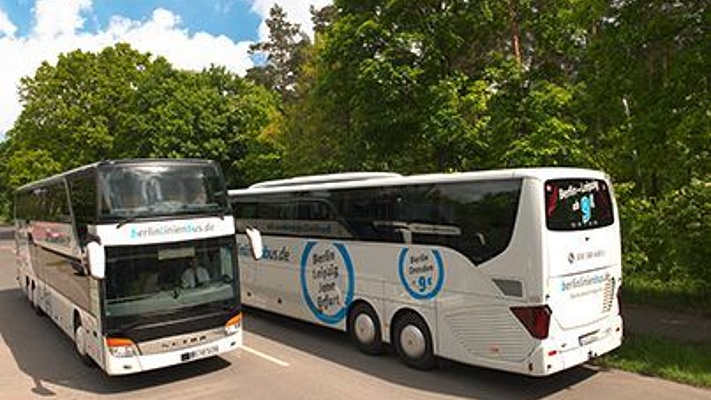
(133,259)
(517,270)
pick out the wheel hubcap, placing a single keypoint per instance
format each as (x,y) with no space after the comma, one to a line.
(412,342)
(365,329)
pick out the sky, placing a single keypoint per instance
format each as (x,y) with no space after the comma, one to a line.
(190,34)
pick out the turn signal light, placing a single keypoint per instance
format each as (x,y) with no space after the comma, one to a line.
(121,347)
(234,324)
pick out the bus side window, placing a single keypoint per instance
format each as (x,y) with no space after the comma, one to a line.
(83,196)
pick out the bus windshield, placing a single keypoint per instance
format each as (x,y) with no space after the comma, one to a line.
(135,190)
(164,278)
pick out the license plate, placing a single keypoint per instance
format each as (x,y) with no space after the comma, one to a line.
(588,338)
(200,353)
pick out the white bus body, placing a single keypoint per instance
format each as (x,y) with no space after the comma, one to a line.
(102,249)
(516,270)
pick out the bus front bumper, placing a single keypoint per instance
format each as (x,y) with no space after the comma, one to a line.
(146,362)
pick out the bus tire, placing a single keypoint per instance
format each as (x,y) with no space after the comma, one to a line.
(364,329)
(413,342)
(80,344)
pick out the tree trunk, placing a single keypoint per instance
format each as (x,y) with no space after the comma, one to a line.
(515,34)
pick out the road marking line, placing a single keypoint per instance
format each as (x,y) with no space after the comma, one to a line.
(266,356)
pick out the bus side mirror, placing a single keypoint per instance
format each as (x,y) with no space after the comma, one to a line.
(97,260)
(255,242)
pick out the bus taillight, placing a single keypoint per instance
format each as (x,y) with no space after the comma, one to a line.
(535,319)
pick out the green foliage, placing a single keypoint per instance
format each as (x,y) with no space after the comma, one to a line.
(439,80)
(647,100)
(120,103)
(667,241)
(668,359)
(675,294)
(284,51)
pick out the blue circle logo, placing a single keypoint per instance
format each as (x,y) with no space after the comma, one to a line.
(327,280)
(421,272)
(586,206)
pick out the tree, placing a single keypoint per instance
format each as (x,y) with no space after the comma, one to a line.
(284,51)
(437,86)
(120,103)
(647,72)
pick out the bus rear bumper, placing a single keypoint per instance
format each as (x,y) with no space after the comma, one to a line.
(131,365)
(553,357)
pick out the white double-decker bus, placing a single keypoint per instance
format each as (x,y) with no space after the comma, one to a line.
(516,270)
(134,259)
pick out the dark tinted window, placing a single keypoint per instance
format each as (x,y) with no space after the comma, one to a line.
(82,190)
(369,213)
(577,204)
(46,203)
(23,205)
(474,218)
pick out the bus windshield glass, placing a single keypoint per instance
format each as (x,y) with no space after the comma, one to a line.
(135,190)
(577,204)
(154,279)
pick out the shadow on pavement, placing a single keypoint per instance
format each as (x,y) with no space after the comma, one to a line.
(451,378)
(44,353)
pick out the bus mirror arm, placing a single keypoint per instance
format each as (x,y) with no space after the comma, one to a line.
(255,242)
(97,260)
(90,237)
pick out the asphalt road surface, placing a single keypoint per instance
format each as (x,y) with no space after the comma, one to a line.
(283,359)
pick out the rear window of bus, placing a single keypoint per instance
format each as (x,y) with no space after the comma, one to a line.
(577,204)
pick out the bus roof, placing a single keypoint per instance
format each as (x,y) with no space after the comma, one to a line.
(340,181)
(99,164)
(322,179)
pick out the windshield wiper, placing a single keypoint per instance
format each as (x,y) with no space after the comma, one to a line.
(125,221)
(224,305)
(125,328)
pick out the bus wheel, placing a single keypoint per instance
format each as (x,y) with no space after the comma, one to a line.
(413,342)
(364,329)
(80,345)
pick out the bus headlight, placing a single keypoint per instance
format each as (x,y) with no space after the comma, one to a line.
(234,324)
(121,347)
